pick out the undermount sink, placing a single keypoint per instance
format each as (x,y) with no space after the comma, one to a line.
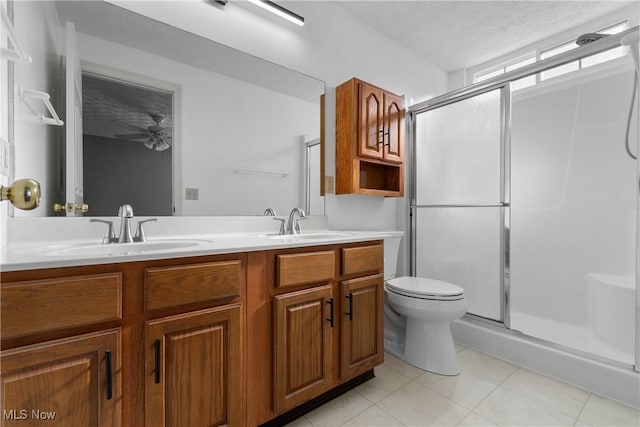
(116,249)
(311,236)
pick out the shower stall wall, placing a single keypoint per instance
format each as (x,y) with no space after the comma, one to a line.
(573,214)
(529,201)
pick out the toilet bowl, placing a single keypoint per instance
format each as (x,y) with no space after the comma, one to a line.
(429,306)
(418,312)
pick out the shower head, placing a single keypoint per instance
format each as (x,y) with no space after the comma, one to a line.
(589,37)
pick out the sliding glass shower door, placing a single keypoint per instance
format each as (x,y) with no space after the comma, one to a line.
(459,211)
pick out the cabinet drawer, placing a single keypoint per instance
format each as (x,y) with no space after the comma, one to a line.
(188,284)
(362,259)
(307,267)
(37,306)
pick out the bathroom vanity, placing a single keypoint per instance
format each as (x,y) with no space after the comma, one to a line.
(234,337)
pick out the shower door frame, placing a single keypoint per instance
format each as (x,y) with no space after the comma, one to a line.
(505,191)
(488,85)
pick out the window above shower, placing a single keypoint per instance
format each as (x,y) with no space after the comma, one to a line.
(545,52)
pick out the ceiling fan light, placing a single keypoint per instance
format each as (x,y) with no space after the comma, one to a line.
(162,145)
(149,144)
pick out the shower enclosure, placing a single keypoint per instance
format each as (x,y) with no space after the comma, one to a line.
(528,199)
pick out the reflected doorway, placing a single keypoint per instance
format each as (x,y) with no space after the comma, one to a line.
(128,146)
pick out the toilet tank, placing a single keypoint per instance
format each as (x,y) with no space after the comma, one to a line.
(391,250)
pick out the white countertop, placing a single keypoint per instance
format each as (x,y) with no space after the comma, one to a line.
(31,253)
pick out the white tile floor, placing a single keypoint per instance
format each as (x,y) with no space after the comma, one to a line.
(488,392)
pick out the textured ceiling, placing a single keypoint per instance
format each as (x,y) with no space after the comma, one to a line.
(111,108)
(457,34)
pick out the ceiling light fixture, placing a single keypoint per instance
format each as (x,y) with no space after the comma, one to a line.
(280,11)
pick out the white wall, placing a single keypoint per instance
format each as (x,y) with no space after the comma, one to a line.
(35,142)
(4,126)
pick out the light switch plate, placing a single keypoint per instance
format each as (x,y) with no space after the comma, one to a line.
(191,193)
(329,185)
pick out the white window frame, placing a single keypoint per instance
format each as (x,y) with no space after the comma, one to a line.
(504,66)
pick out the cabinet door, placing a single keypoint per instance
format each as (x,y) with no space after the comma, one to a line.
(362,325)
(370,123)
(302,352)
(193,375)
(393,128)
(69,382)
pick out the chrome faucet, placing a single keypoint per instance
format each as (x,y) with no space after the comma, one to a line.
(269,212)
(125,213)
(293,224)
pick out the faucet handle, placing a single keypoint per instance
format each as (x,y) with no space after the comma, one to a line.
(109,235)
(296,224)
(140,236)
(282,221)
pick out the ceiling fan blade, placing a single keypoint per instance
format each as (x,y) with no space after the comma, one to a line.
(132,136)
(126,126)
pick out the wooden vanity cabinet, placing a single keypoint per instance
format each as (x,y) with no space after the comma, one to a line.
(303,332)
(193,375)
(362,328)
(227,340)
(60,364)
(169,331)
(317,344)
(73,381)
(370,137)
(193,360)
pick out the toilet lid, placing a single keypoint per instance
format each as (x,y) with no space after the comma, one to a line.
(420,287)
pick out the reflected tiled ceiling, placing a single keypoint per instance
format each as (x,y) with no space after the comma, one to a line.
(457,34)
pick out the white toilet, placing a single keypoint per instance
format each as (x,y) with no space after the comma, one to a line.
(418,312)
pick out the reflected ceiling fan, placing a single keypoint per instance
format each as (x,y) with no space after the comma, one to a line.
(155,137)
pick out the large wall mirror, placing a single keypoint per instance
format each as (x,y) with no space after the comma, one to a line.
(165,120)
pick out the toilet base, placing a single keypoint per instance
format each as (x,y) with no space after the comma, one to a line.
(429,346)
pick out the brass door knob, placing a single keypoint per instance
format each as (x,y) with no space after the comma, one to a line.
(23,194)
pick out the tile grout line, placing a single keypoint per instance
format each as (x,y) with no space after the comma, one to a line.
(365,409)
(584,405)
(497,386)
(516,391)
(382,409)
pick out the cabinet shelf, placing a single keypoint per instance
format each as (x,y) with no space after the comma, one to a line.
(380,179)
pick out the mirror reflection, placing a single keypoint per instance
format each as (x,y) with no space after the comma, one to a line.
(171,123)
